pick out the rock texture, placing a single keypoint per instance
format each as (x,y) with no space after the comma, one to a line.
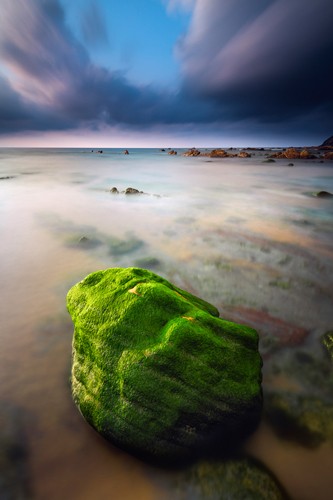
(237,479)
(294,154)
(192,152)
(156,371)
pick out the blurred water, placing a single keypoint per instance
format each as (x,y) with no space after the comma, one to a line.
(248,236)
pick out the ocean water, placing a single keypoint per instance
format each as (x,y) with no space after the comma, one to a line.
(248,236)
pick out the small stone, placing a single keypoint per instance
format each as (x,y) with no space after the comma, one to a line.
(148,262)
(114,190)
(131,190)
(324,194)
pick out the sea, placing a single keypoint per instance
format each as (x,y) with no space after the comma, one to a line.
(247,235)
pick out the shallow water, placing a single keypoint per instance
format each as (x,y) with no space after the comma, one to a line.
(247,236)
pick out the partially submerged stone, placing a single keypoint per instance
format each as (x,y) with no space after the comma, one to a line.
(236,479)
(327,341)
(156,371)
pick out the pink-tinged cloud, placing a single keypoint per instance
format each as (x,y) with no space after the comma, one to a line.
(269,52)
(259,63)
(227,45)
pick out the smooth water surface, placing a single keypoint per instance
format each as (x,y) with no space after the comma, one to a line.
(248,236)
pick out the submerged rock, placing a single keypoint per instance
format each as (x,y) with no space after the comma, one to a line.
(324,194)
(327,341)
(131,190)
(14,470)
(156,371)
(300,418)
(237,479)
(121,247)
(148,262)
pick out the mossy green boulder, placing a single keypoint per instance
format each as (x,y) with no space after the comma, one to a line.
(156,371)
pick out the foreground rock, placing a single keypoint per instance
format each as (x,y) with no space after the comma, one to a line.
(156,371)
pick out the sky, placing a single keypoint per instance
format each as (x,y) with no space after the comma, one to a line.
(165,73)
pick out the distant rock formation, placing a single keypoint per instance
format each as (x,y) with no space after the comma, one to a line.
(192,152)
(221,153)
(328,144)
(292,153)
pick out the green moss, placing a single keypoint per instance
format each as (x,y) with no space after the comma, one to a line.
(154,368)
(327,341)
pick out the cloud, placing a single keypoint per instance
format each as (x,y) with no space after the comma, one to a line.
(173,5)
(93,25)
(52,74)
(264,58)
(264,63)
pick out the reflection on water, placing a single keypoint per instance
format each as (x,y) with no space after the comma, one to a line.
(247,236)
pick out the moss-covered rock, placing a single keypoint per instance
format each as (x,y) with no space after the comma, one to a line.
(156,371)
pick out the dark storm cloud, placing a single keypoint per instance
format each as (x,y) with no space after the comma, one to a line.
(53,75)
(263,62)
(264,59)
